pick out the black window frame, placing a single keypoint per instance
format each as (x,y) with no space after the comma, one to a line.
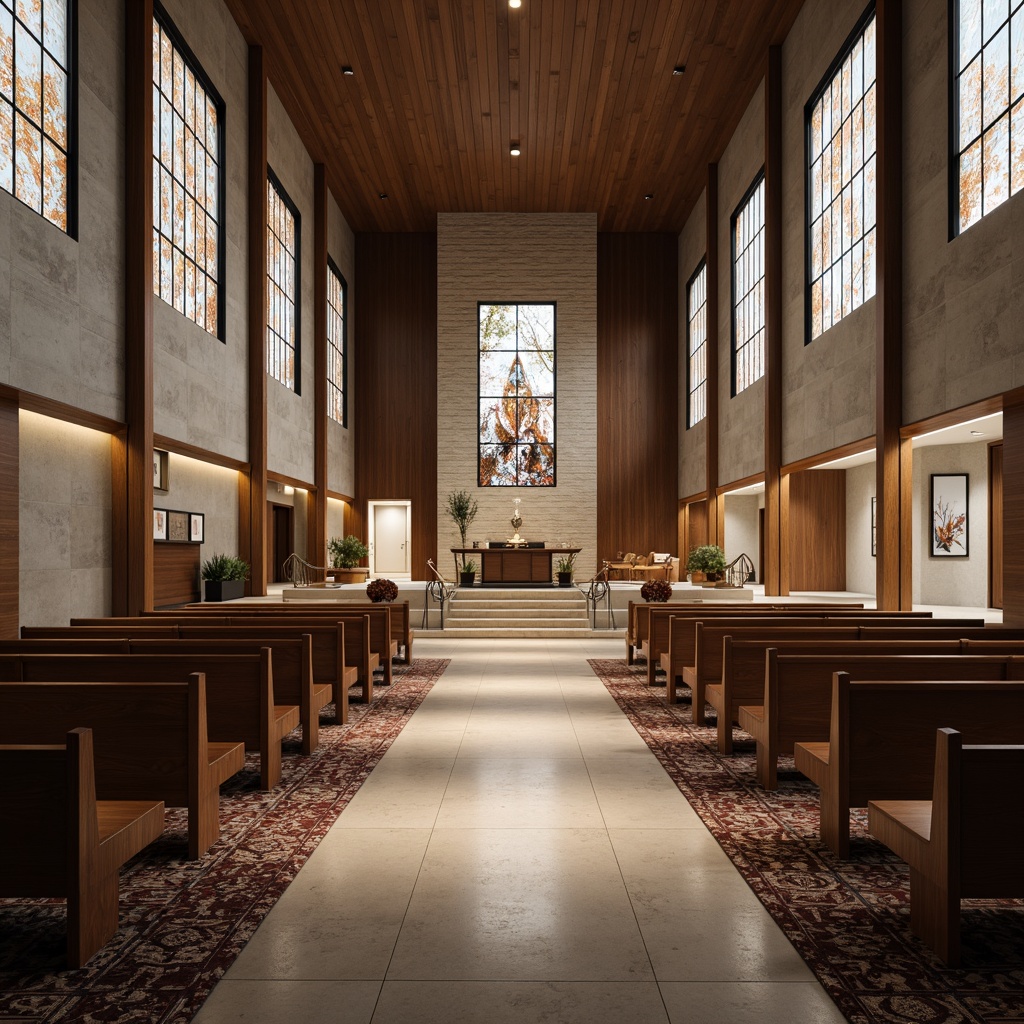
(759,179)
(275,183)
(690,389)
(332,268)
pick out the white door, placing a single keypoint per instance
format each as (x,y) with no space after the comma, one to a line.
(390,539)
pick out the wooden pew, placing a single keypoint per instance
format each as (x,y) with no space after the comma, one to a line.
(68,843)
(963,843)
(882,740)
(637,612)
(796,699)
(149,740)
(97,632)
(240,699)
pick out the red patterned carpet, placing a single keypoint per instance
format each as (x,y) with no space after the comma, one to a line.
(849,920)
(184,922)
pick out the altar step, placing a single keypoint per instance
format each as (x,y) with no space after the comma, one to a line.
(486,612)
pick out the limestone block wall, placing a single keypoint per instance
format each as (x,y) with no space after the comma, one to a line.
(290,415)
(741,419)
(741,527)
(520,258)
(62,295)
(963,297)
(65,521)
(199,391)
(692,441)
(196,486)
(828,385)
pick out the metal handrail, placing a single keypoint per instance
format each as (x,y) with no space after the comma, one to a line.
(598,590)
(302,573)
(739,570)
(438,589)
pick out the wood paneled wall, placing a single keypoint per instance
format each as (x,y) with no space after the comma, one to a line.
(637,340)
(10,542)
(175,574)
(817,530)
(396,395)
(1013,508)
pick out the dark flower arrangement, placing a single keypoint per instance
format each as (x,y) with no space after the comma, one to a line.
(381,590)
(656,590)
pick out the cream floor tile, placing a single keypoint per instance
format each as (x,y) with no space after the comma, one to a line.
(635,792)
(401,792)
(519,792)
(521,1002)
(271,1002)
(762,1002)
(493,741)
(528,904)
(427,742)
(341,916)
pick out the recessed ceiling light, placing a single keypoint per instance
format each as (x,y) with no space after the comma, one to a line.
(346,70)
(382,195)
(679,69)
(515,3)
(514,149)
(650,195)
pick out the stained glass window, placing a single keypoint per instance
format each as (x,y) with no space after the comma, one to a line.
(36,93)
(988,108)
(187,181)
(283,285)
(697,338)
(841,185)
(748,289)
(337,340)
(517,395)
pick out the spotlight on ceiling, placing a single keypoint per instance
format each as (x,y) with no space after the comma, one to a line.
(515,3)
(382,195)
(346,70)
(679,69)
(650,195)
(514,149)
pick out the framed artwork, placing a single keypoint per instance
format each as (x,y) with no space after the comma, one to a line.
(874,528)
(196,527)
(159,524)
(177,525)
(160,482)
(949,515)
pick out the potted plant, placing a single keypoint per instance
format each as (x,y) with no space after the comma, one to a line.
(224,576)
(705,562)
(381,590)
(467,574)
(563,569)
(462,510)
(345,552)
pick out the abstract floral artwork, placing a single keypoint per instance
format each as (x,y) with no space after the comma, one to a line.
(949,515)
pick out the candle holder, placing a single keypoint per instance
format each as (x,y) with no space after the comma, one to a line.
(517,520)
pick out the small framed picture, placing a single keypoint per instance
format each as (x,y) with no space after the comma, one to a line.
(177,525)
(949,512)
(159,524)
(159,470)
(196,527)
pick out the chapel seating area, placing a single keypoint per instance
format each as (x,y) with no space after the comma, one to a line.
(105,722)
(898,713)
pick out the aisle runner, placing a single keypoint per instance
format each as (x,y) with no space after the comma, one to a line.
(184,922)
(850,920)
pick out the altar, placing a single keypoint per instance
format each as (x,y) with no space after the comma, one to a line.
(520,566)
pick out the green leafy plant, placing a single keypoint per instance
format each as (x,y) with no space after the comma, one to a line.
(469,566)
(565,563)
(709,558)
(224,567)
(462,510)
(345,552)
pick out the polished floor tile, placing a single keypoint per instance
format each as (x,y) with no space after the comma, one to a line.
(519,855)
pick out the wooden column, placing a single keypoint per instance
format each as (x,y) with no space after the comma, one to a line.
(1013,508)
(773,512)
(252,486)
(10,538)
(892,566)
(316,536)
(713,535)
(132,590)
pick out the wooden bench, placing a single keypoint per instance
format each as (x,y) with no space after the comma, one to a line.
(240,699)
(963,843)
(68,843)
(149,741)
(881,742)
(796,699)
(637,613)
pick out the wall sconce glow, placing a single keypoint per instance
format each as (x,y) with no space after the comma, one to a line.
(288,490)
(515,3)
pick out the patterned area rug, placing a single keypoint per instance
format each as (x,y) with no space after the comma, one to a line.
(850,920)
(182,923)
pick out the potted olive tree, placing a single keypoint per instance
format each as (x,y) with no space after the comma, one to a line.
(462,509)
(706,563)
(345,552)
(224,576)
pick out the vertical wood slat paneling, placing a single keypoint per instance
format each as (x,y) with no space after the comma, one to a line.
(1013,508)
(134,589)
(697,531)
(175,574)
(10,540)
(252,487)
(892,575)
(817,529)
(637,425)
(711,516)
(395,335)
(995,525)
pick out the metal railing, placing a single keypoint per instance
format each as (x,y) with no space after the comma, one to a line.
(439,590)
(740,570)
(595,591)
(301,573)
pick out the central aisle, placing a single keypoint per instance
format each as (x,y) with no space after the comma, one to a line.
(519,855)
